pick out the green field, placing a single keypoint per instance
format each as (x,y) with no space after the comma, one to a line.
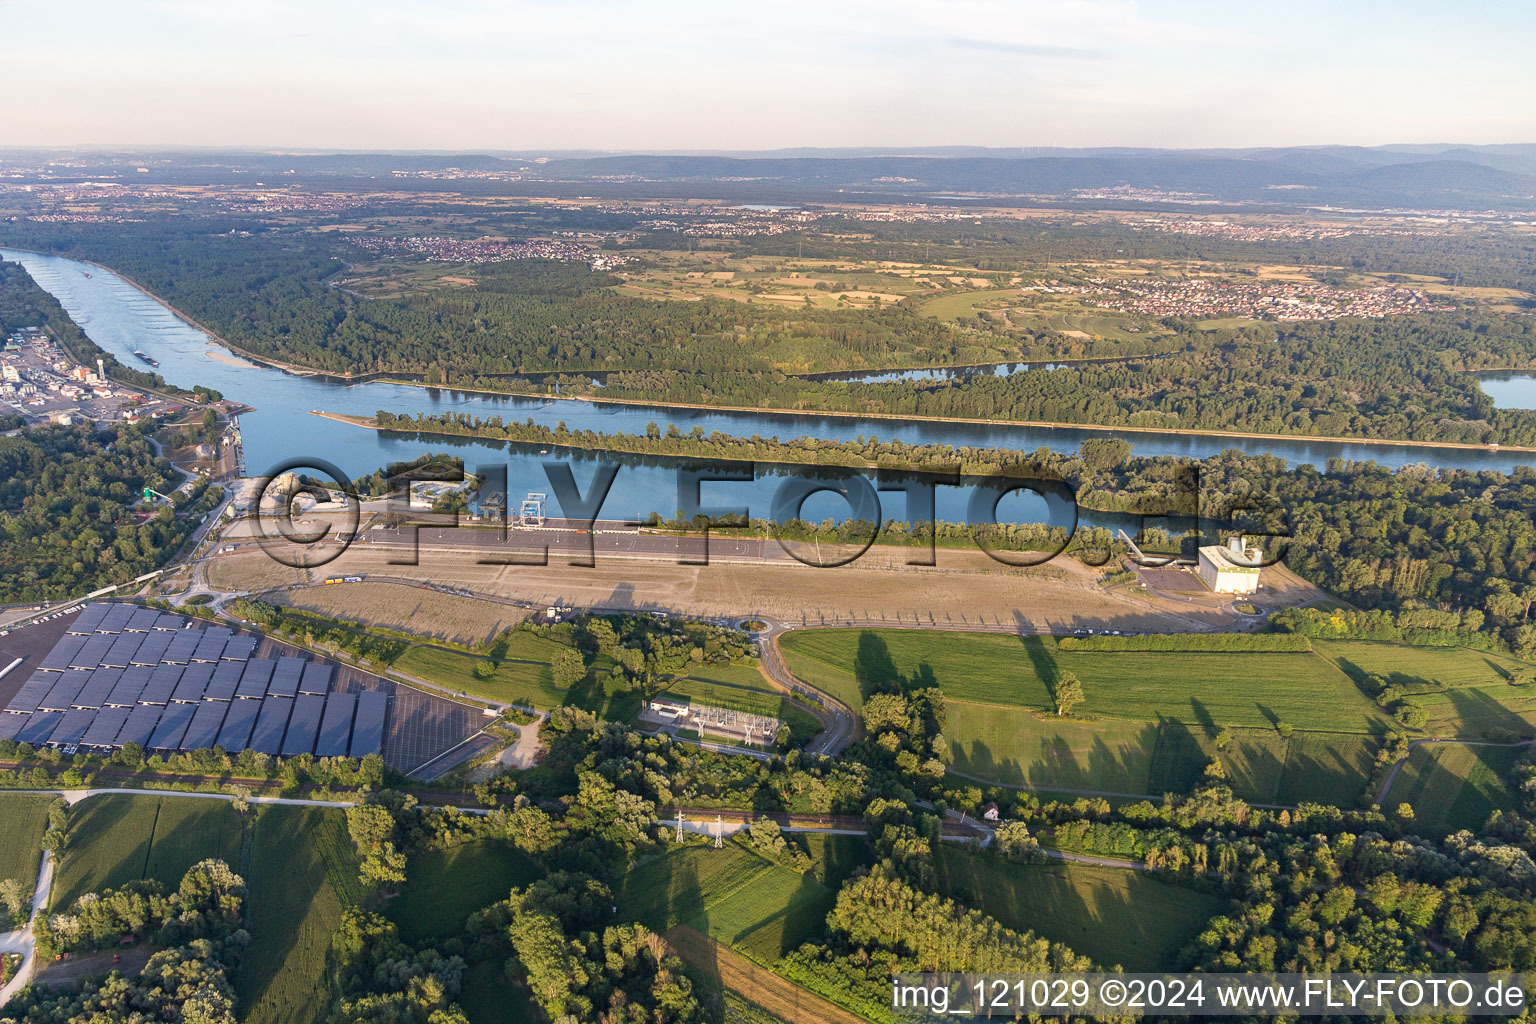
(444,887)
(1013,745)
(1453,786)
(1465,692)
(116,838)
(1264,767)
(1415,669)
(1112,915)
(993,668)
(731,895)
(21,840)
(519,682)
(302,874)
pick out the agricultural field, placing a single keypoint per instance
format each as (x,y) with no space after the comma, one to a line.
(1264,767)
(21,840)
(1114,916)
(1452,785)
(1466,693)
(1420,669)
(302,875)
(732,895)
(1019,747)
(993,668)
(117,838)
(443,888)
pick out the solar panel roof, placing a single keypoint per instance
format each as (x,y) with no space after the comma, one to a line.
(209,649)
(67,647)
(63,693)
(169,622)
(72,726)
(182,647)
(143,620)
(116,618)
(226,677)
(103,728)
(317,678)
(39,727)
(239,648)
(92,651)
(32,691)
(89,616)
(303,725)
(267,737)
(162,683)
(368,724)
(140,725)
(336,725)
(173,725)
(94,693)
(222,632)
(236,733)
(286,676)
(129,685)
(255,679)
(152,650)
(122,651)
(194,680)
(203,730)
(10,725)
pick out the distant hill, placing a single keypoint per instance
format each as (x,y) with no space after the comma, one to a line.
(1437,176)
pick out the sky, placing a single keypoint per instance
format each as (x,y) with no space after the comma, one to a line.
(674,75)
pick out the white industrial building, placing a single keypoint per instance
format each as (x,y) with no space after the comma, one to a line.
(1230,569)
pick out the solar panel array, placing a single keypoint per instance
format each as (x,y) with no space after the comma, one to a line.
(123,674)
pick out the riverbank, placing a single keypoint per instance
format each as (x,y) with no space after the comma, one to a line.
(967,420)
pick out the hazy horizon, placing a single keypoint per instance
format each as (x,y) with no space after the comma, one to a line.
(688,76)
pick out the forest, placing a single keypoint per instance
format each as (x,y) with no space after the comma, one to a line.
(268,293)
(67,496)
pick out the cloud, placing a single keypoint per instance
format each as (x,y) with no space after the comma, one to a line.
(1028,49)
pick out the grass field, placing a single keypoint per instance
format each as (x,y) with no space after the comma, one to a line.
(21,840)
(1012,745)
(443,888)
(521,682)
(1453,786)
(1465,692)
(116,838)
(994,668)
(731,895)
(302,874)
(1264,767)
(1416,669)
(1114,916)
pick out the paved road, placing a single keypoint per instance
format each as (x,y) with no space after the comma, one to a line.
(22,941)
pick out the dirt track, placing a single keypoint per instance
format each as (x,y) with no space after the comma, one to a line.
(761,987)
(966,589)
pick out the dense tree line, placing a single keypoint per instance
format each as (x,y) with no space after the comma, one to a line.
(66,495)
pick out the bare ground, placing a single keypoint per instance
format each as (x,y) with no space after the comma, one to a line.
(423,612)
(967,589)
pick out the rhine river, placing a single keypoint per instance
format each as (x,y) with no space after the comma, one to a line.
(120,318)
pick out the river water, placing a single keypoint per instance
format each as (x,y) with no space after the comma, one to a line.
(120,318)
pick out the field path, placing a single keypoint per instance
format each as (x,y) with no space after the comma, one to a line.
(1386,785)
(21,941)
(759,986)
